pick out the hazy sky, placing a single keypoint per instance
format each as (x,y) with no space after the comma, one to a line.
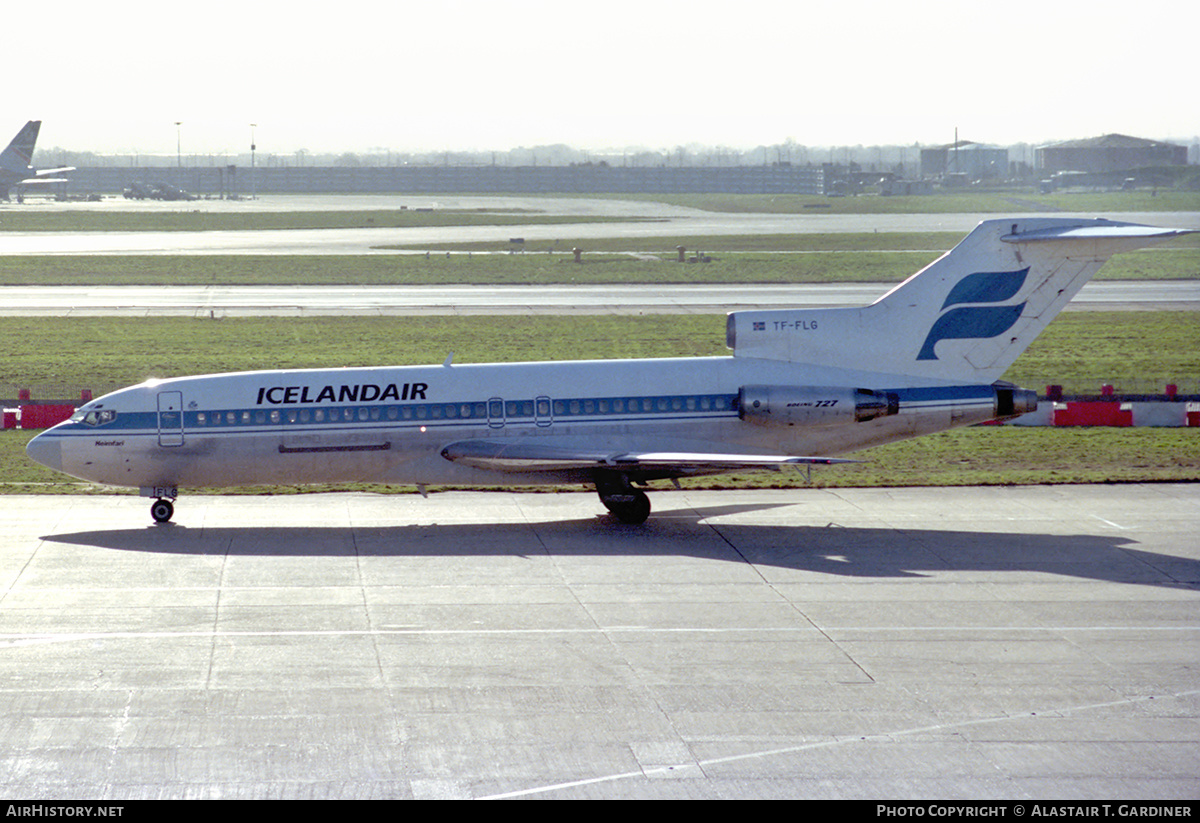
(352,75)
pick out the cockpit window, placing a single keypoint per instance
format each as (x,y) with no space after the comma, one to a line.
(94,418)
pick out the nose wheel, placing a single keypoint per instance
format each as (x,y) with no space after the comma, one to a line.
(162,510)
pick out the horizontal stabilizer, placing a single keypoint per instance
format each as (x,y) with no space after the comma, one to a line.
(1097,231)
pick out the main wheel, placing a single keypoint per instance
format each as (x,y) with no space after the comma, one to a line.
(162,510)
(632,506)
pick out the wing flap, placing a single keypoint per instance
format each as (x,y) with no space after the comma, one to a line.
(534,457)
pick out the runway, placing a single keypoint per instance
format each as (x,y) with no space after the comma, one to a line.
(232,301)
(1020,642)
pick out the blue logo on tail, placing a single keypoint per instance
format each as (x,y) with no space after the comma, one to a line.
(977,322)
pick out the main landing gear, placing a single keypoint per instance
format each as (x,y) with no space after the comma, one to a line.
(629,505)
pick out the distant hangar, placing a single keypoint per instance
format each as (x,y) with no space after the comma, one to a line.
(975,161)
(1109,153)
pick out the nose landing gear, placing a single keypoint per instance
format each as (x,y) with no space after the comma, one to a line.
(162,510)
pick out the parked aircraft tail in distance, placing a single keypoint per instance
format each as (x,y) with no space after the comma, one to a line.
(802,387)
(16,159)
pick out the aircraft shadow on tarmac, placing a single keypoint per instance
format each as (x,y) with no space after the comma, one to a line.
(834,549)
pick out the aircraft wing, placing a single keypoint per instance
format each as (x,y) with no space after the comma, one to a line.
(535,457)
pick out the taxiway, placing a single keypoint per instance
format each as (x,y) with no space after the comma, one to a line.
(700,298)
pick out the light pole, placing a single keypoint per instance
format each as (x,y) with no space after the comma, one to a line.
(253,183)
(178,155)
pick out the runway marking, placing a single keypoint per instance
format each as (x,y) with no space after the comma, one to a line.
(881,736)
(13,640)
(1110,523)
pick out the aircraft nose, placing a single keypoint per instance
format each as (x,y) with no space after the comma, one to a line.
(46,450)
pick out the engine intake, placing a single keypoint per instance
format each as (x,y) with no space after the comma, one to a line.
(813,405)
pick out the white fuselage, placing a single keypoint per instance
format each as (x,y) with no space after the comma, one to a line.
(390,425)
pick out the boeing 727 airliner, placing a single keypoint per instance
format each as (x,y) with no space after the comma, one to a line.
(801,386)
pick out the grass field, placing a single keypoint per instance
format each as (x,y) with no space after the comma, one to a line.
(1139,351)
(173,218)
(654,264)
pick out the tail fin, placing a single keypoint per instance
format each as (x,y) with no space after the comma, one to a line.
(968,315)
(18,155)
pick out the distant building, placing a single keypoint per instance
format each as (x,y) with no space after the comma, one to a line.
(1109,153)
(889,187)
(584,179)
(978,161)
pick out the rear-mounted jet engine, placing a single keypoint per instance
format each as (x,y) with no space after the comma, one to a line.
(813,405)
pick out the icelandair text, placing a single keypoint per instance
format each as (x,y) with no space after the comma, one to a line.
(356,393)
